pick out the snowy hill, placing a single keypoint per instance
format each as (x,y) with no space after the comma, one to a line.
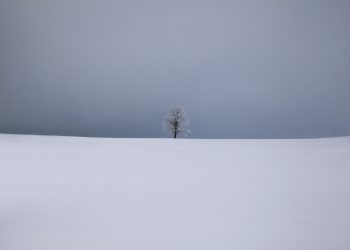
(161,194)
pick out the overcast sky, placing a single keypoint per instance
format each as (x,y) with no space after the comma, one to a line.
(242,69)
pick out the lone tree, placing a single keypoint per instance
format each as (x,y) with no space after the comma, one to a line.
(177,122)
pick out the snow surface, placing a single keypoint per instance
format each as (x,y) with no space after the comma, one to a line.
(71,193)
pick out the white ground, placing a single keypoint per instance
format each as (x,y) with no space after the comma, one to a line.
(159,194)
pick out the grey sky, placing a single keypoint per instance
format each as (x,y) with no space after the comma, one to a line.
(242,69)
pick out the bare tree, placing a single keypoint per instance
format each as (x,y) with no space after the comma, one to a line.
(177,122)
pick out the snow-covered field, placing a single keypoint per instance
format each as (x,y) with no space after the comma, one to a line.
(70,193)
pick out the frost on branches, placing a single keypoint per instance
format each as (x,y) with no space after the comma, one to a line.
(177,122)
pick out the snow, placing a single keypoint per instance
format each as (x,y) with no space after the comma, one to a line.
(162,194)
